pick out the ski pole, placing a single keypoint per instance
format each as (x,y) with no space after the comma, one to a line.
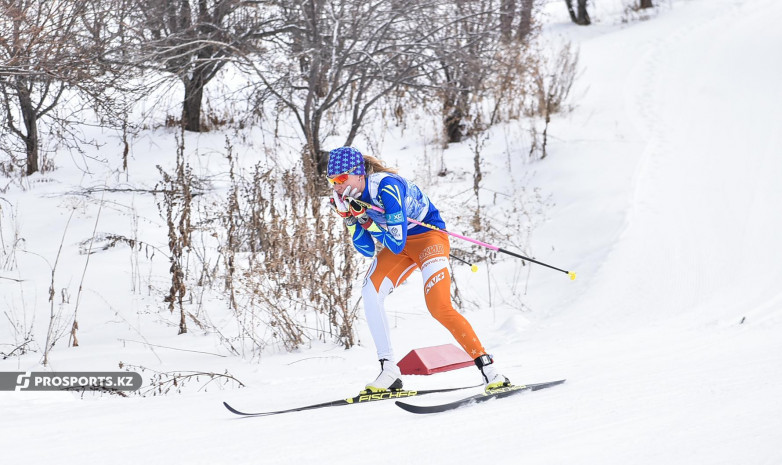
(473,268)
(571,274)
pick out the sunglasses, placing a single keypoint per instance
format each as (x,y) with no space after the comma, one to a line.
(341,178)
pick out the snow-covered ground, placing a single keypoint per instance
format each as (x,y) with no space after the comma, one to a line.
(666,201)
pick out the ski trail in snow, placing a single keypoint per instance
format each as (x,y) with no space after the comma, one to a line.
(676,252)
(675,342)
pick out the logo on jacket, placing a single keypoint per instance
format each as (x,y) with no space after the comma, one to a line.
(395,218)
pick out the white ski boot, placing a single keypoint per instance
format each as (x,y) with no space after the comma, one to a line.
(492,379)
(389,378)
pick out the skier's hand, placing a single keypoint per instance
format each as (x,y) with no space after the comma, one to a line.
(339,206)
(350,193)
(359,212)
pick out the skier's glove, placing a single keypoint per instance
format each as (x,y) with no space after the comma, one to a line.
(359,212)
(340,207)
(350,193)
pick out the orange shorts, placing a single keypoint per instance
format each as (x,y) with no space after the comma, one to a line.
(429,253)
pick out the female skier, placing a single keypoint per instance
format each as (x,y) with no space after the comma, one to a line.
(354,176)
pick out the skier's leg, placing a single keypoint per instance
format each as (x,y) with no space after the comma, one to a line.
(386,272)
(431,252)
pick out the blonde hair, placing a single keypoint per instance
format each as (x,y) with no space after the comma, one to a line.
(375,165)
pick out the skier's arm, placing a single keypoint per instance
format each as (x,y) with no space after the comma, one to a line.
(362,240)
(395,234)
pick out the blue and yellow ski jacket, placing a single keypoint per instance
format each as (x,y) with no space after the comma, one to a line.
(401,199)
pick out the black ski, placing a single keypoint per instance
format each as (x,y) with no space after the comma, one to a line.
(362,398)
(482,397)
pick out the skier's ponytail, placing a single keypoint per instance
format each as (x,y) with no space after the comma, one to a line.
(374,165)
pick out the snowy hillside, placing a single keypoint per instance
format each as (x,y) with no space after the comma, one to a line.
(665,193)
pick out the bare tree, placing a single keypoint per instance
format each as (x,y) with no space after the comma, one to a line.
(580,17)
(340,58)
(37,46)
(476,50)
(52,51)
(553,78)
(194,40)
(464,50)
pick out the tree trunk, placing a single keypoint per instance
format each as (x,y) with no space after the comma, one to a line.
(30,119)
(571,11)
(319,159)
(507,10)
(581,17)
(646,4)
(191,108)
(316,158)
(525,20)
(452,121)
